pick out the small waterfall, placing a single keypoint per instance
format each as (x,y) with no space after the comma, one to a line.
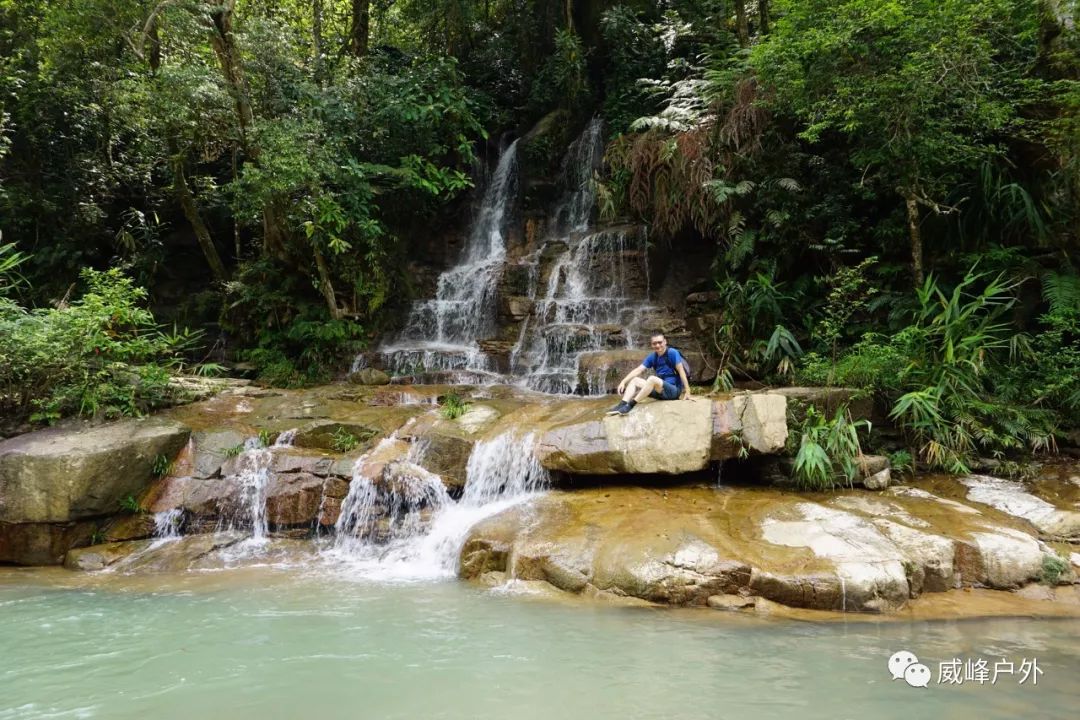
(393,505)
(444,333)
(253,475)
(403,525)
(286,439)
(596,287)
(167,524)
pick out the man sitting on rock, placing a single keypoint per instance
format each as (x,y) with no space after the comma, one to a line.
(669,382)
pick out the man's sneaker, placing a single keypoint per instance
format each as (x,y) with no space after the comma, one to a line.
(627,407)
(618,409)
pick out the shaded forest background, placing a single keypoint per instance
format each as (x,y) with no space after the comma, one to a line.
(891,187)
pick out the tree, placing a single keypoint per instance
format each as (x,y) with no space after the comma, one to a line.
(925,91)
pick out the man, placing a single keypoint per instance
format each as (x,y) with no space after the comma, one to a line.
(669,382)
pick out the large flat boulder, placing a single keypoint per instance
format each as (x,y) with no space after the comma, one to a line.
(59,475)
(850,551)
(666,437)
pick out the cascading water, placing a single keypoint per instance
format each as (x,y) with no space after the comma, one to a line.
(402,525)
(253,476)
(443,334)
(596,287)
(167,524)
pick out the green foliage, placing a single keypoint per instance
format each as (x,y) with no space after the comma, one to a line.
(266,437)
(1053,569)
(100,355)
(828,450)
(942,375)
(453,406)
(922,88)
(754,339)
(233,450)
(562,78)
(10,259)
(129,504)
(1049,374)
(161,466)
(901,462)
(344,441)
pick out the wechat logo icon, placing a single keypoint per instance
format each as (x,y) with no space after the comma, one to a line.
(903,665)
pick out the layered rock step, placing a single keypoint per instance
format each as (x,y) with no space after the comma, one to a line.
(683,546)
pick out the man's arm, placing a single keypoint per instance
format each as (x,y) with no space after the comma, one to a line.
(685,381)
(630,376)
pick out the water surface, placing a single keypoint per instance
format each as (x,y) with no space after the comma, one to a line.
(272,642)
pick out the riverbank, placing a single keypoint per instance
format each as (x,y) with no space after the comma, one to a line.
(675,504)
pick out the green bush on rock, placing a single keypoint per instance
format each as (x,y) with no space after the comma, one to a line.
(101,355)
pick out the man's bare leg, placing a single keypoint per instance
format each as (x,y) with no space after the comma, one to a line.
(633,388)
(651,384)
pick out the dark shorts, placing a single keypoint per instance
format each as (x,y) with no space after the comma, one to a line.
(670,392)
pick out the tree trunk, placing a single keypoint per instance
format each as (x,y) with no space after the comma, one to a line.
(763,17)
(229,58)
(361,27)
(191,212)
(228,55)
(317,38)
(325,284)
(916,238)
(742,26)
(155,47)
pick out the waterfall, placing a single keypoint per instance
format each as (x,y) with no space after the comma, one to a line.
(402,525)
(444,333)
(596,288)
(167,524)
(253,475)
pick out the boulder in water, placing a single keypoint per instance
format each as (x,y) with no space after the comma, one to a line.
(58,475)
(853,552)
(369,376)
(42,543)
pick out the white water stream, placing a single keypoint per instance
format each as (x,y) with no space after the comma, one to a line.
(399,523)
(596,289)
(443,334)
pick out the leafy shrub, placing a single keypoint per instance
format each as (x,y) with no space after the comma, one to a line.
(828,450)
(129,504)
(344,441)
(943,375)
(233,450)
(901,462)
(101,355)
(161,466)
(453,406)
(1053,567)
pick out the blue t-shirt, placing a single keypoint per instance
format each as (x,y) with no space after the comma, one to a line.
(666,366)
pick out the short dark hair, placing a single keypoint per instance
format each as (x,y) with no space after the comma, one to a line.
(658,334)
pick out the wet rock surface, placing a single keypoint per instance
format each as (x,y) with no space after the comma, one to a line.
(850,551)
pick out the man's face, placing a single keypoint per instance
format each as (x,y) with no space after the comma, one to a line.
(659,344)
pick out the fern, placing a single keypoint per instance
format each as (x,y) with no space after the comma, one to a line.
(1061,292)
